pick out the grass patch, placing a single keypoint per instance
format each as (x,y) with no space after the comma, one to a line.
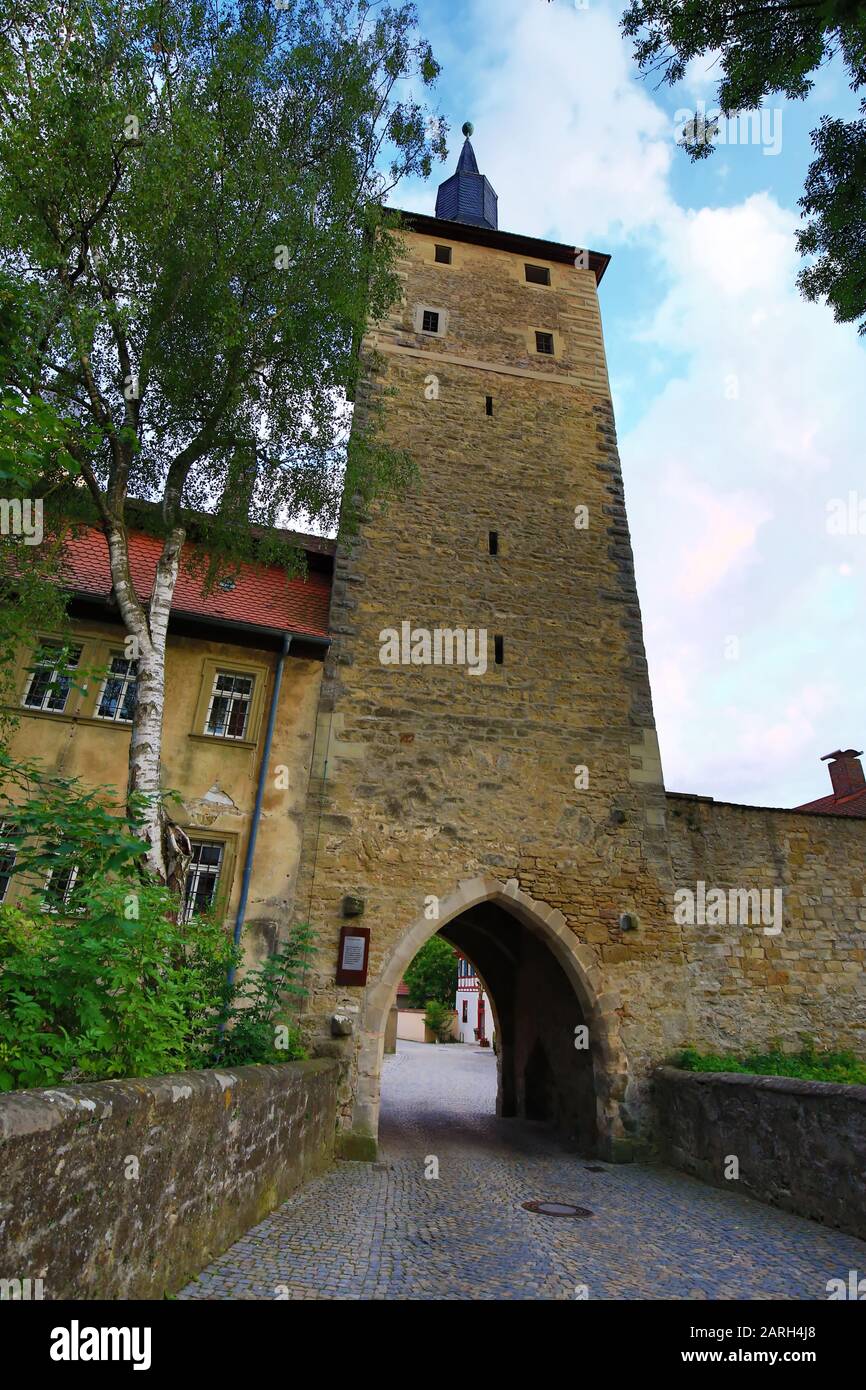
(808,1064)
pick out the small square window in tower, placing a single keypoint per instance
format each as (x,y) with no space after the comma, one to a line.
(537,274)
(544,343)
(430,322)
(443,255)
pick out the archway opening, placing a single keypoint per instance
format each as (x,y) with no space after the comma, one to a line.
(542,1047)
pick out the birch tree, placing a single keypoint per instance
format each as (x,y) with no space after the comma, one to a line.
(193,236)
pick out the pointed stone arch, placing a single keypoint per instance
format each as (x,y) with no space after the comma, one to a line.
(578,962)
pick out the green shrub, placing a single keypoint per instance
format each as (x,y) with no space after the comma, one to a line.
(94,993)
(258,1025)
(438,1019)
(809,1063)
(104,981)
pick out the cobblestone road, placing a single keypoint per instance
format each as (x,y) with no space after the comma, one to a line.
(387,1231)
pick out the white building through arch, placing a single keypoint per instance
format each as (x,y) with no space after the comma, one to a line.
(475,1023)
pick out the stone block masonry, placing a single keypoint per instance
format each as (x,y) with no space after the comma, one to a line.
(800,1145)
(747,987)
(125,1189)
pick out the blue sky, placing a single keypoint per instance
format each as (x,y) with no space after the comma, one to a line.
(741,409)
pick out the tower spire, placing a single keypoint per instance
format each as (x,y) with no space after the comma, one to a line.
(467,196)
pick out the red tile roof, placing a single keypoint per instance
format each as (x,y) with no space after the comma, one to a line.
(262,595)
(854,804)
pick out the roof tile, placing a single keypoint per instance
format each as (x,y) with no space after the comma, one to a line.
(852,805)
(263,595)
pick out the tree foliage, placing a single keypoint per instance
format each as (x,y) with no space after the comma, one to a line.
(763,47)
(433,974)
(835,197)
(192,241)
(156,157)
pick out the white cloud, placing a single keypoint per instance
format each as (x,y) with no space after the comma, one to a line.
(580,146)
(702,76)
(720,536)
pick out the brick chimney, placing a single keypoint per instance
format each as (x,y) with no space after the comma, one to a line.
(846,771)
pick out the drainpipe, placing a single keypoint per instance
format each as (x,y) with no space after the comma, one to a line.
(260,794)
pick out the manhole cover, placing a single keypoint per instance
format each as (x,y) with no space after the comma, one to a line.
(556,1209)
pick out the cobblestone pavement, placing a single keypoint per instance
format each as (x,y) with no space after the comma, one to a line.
(386,1231)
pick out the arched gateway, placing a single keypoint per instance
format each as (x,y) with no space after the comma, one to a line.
(576,1031)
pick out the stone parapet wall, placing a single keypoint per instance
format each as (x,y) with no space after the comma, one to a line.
(799,1145)
(126,1189)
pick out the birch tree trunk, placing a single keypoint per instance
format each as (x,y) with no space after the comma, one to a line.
(148,627)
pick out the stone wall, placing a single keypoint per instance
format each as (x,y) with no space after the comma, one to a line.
(799,1144)
(126,1189)
(747,987)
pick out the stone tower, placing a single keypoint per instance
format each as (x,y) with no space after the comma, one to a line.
(510,797)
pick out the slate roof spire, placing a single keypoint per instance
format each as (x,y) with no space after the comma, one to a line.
(467,196)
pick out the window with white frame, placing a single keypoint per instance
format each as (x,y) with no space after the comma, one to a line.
(430,319)
(228,713)
(49,684)
(117,696)
(8,855)
(202,878)
(58,888)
